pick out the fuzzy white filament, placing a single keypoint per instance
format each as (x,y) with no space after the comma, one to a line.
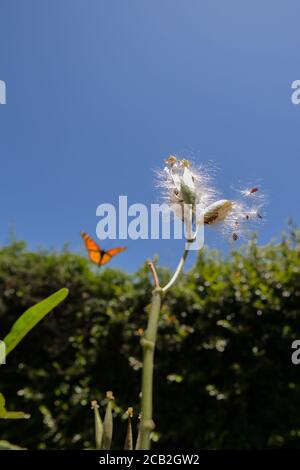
(184,184)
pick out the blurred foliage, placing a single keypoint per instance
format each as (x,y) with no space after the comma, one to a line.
(223,374)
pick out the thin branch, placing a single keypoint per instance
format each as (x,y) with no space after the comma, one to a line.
(154,274)
(177,272)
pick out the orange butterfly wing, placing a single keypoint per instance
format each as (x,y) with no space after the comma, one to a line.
(107,255)
(96,254)
(94,251)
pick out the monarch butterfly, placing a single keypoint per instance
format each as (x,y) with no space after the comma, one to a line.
(96,254)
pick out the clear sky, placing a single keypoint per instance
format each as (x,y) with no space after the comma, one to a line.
(99,92)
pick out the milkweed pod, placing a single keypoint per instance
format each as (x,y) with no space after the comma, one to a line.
(217,211)
(98,424)
(108,423)
(188,187)
(129,440)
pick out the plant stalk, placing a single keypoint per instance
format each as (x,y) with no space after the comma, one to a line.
(148,344)
(178,270)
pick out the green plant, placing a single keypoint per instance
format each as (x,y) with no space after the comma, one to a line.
(223,369)
(22,326)
(190,197)
(104,430)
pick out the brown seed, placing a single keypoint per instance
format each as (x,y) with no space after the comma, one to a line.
(217,211)
(253,190)
(235,236)
(211,218)
(259,215)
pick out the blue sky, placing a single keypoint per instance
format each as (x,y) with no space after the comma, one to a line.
(99,92)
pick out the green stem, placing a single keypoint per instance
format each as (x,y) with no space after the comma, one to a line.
(148,345)
(178,270)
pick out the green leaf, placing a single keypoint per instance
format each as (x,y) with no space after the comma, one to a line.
(31,317)
(5,445)
(2,353)
(4,414)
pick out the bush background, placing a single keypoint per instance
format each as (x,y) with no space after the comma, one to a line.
(223,376)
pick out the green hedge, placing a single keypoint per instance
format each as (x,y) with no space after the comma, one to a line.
(223,377)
